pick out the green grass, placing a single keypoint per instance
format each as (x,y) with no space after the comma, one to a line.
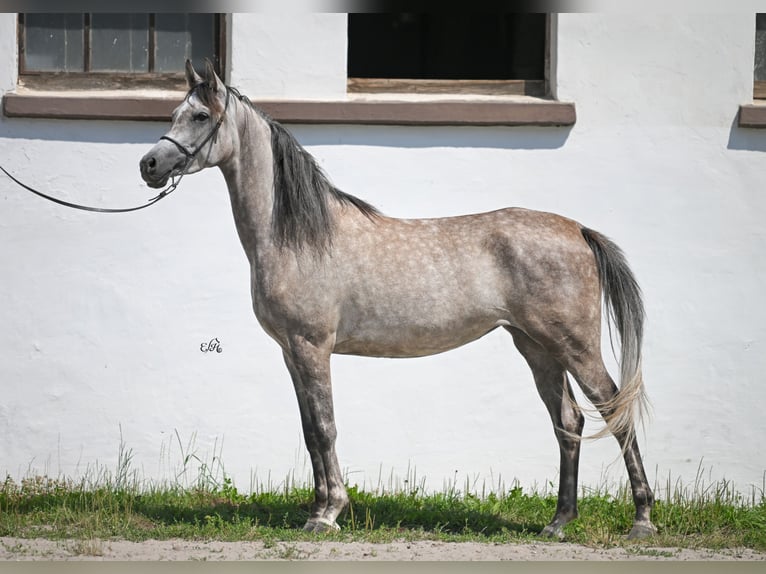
(202,503)
(713,516)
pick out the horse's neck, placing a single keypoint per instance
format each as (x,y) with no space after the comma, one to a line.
(249,177)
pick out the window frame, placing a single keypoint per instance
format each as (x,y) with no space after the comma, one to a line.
(759,86)
(467,88)
(753,115)
(110,80)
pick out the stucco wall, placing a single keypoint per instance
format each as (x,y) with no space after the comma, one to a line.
(104,314)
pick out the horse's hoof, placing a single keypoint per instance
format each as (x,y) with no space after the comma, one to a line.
(320,525)
(642,530)
(310,525)
(552,532)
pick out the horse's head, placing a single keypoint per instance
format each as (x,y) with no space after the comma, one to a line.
(195,140)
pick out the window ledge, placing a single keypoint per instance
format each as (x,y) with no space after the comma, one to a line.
(95,105)
(752,115)
(371,109)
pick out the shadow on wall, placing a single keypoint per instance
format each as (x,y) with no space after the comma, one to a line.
(497,137)
(93,131)
(126,132)
(746,139)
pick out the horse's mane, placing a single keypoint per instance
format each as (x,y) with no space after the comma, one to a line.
(302,192)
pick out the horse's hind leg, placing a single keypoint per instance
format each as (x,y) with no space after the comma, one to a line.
(591,374)
(553,386)
(309,368)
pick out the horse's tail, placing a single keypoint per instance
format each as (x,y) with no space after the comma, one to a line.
(624,308)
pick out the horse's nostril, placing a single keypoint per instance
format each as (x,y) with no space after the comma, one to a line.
(148,164)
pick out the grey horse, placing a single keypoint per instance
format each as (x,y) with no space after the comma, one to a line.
(331,274)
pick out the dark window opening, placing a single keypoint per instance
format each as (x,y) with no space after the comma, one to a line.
(471,46)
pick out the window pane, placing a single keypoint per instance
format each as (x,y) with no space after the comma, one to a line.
(173,42)
(140,44)
(470,46)
(53,43)
(182,36)
(119,42)
(385,45)
(760,47)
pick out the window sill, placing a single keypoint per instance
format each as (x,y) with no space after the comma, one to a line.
(370,109)
(752,115)
(137,105)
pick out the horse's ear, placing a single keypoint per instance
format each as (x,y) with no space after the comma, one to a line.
(211,77)
(192,77)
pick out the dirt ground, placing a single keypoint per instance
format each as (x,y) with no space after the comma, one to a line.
(13,549)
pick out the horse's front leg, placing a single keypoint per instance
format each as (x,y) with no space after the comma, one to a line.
(309,366)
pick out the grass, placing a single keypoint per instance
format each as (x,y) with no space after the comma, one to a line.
(118,505)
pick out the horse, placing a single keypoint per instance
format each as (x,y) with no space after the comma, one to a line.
(331,274)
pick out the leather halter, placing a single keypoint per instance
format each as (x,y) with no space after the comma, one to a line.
(191,154)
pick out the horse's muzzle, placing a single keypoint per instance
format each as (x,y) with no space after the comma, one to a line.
(154,171)
(148,168)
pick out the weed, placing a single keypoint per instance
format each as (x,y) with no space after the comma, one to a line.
(86,547)
(652,552)
(291,552)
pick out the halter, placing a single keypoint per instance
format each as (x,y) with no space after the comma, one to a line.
(175,179)
(190,155)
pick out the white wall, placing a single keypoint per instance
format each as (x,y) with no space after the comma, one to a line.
(296,55)
(104,315)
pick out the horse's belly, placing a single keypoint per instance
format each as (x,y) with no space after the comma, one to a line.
(428,307)
(388,339)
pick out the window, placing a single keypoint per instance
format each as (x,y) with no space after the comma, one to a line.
(448,52)
(759,90)
(753,115)
(115,50)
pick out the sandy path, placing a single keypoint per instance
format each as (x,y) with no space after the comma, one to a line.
(41,549)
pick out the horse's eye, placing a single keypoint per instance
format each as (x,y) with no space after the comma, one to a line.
(201,117)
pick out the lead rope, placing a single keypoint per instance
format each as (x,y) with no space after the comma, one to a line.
(174,181)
